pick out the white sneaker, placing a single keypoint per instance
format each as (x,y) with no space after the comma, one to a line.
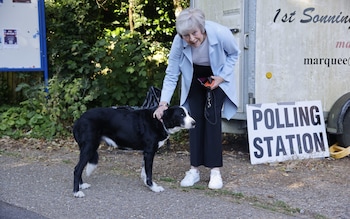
(192,176)
(215,180)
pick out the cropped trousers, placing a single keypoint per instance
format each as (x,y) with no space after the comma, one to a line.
(206,137)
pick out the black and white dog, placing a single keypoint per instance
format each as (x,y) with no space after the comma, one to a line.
(125,127)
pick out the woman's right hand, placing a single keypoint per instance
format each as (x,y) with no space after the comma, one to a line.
(160,111)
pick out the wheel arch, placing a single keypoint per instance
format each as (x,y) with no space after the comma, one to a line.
(337,113)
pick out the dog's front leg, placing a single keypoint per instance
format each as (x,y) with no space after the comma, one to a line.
(146,172)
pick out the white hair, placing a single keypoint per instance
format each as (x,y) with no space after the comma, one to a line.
(189,19)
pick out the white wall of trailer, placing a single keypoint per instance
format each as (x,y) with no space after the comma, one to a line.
(292,50)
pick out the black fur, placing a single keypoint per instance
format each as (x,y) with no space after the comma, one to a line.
(127,128)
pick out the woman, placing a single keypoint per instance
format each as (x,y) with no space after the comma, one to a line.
(203,52)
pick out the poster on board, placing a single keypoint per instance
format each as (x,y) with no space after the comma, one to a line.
(10,38)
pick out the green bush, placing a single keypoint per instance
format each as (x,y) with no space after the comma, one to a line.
(47,114)
(93,61)
(127,66)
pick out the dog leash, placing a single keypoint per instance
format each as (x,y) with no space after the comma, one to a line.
(166,130)
(338,152)
(210,102)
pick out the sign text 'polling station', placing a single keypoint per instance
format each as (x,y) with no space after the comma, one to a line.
(284,131)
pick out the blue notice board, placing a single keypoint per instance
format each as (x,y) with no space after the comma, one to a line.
(23,36)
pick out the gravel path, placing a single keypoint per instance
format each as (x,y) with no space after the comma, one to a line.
(45,188)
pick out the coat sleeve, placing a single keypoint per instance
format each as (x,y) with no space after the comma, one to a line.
(173,70)
(231,53)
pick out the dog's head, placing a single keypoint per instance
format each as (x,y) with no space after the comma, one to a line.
(176,118)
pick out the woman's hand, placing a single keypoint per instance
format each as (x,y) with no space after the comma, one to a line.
(160,110)
(217,80)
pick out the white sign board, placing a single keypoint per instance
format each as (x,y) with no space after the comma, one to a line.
(285,131)
(19,35)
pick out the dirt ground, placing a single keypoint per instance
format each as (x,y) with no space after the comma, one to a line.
(313,188)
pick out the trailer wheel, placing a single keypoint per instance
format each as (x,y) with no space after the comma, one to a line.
(344,138)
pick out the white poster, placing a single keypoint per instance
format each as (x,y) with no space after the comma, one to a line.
(10,38)
(285,131)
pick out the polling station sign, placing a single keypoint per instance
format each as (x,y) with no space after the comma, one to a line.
(285,131)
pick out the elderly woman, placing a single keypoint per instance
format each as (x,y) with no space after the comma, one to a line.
(205,54)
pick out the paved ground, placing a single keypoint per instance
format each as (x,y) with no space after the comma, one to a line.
(35,189)
(13,212)
(36,182)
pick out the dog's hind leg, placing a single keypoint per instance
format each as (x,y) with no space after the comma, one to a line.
(78,170)
(92,164)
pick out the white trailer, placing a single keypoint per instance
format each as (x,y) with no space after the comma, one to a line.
(292,50)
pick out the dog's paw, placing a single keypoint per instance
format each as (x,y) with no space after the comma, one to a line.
(84,186)
(156,188)
(79,194)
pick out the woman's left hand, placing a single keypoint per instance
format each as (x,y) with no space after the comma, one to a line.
(217,80)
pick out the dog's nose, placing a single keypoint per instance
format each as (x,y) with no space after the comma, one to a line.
(193,123)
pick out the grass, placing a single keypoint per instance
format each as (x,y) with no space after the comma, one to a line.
(67,161)
(277,206)
(10,154)
(238,197)
(168,179)
(274,206)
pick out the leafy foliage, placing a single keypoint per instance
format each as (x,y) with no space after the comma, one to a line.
(73,27)
(127,68)
(99,55)
(45,114)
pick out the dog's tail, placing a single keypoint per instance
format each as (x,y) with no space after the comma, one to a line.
(90,167)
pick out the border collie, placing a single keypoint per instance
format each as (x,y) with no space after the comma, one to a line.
(125,127)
